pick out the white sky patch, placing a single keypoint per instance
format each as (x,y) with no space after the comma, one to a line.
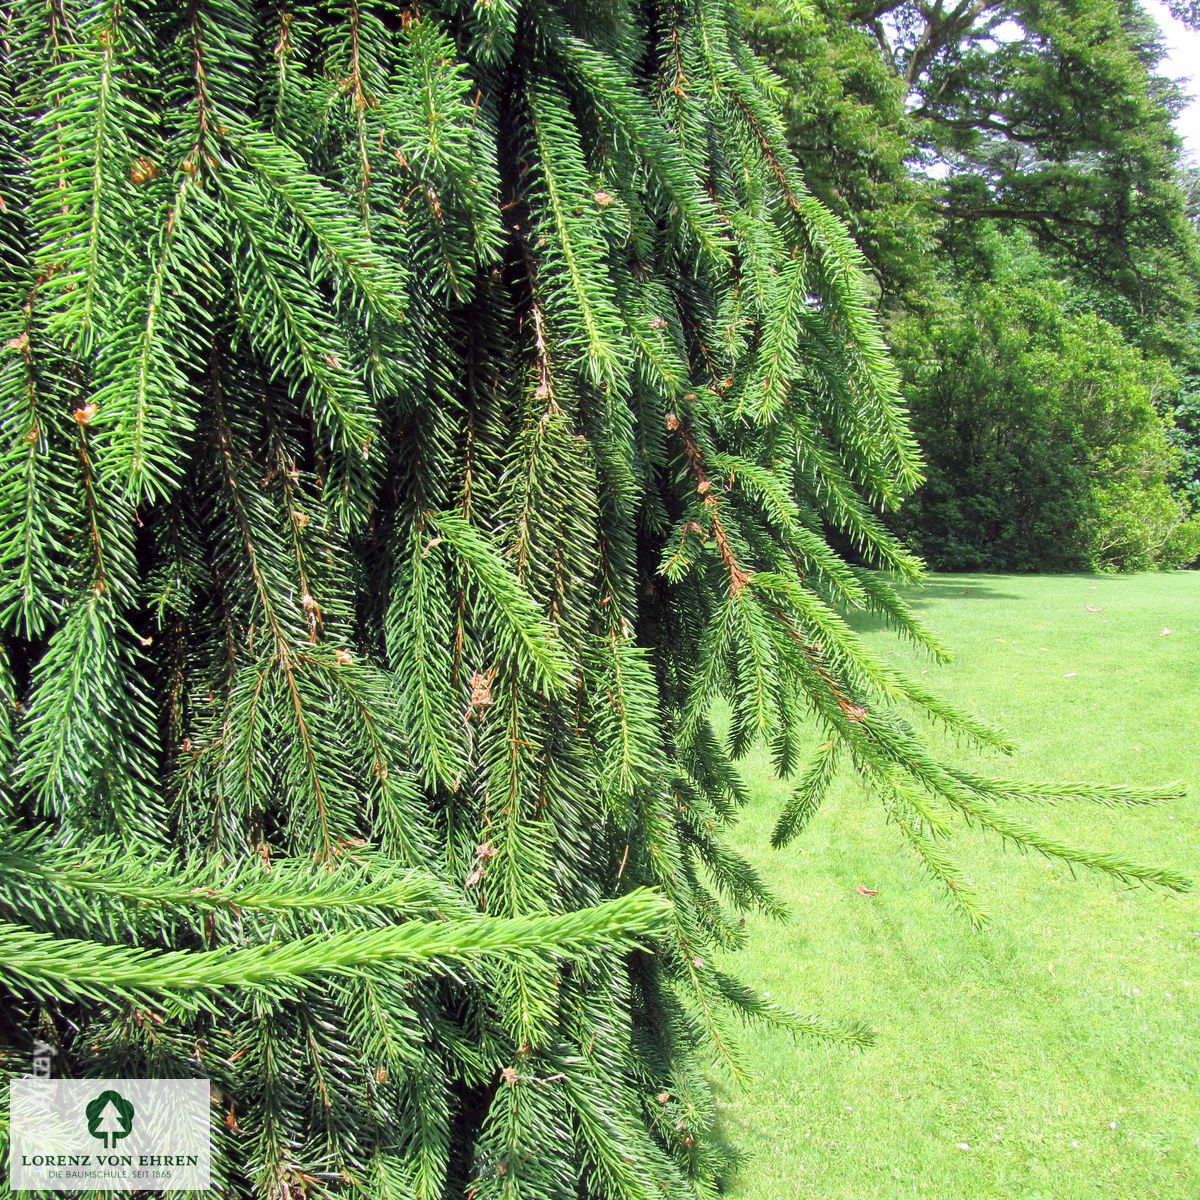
(1182,63)
(1007,31)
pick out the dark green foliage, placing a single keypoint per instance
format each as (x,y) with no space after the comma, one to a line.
(1045,446)
(1052,116)
(1049,116)
(844,109)
(1185,480)
(413,422)
(1186,436)
(1045,122)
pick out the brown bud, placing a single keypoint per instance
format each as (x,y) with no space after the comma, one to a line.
(143,170)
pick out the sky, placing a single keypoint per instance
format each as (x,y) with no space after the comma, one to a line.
(1182,62)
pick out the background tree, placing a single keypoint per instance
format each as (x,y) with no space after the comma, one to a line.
(1044,445)
(1185,434)
(1052,117)
(847,122)
(985,126)
(1065,130)
(412,423)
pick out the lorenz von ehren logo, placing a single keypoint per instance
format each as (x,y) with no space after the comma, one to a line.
(110,1117)
(72,1135)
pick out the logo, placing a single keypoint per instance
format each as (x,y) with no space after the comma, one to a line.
(108,1135)
(109,1118)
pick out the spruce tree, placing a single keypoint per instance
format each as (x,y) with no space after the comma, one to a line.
(413,420)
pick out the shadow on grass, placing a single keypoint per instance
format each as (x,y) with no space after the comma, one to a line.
(937,590)
(956,588)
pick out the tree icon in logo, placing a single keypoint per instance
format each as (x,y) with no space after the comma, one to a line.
(109,1117)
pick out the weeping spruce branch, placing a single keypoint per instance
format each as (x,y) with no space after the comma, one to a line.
(67,969)
(412,420)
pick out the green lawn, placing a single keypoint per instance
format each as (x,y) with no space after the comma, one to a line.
(1058,1054)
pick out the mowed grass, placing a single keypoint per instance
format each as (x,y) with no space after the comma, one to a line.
(1057,1054)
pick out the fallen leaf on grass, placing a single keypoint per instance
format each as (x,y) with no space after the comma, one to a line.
(866,891)
(1091,609)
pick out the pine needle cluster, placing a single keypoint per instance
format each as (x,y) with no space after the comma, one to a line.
(412,419)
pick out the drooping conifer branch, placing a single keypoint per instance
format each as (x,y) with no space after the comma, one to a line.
(415,421)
